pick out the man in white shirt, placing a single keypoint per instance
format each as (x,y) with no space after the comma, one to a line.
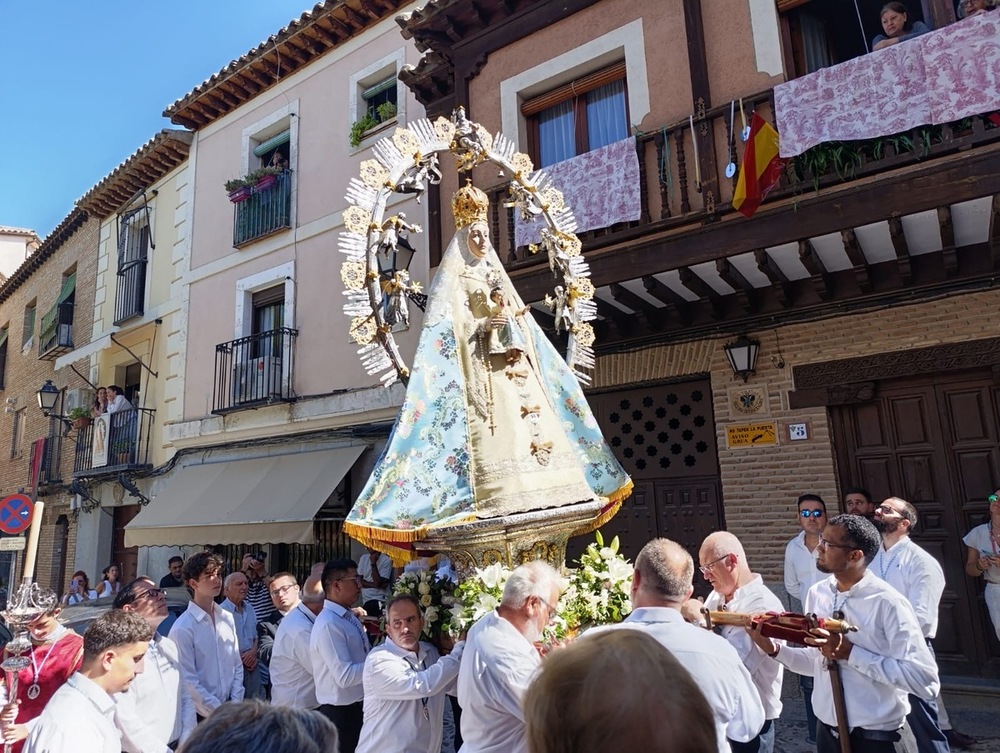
(292,682)
(800,575)
(736,589)
(661,583)
(206,639)
(117,400)
(500,660)
(881,663)
(405,683)
(245,619)
(156,713)
(913,572)
(80,715)
(339,646)
(375,570)
(284,592)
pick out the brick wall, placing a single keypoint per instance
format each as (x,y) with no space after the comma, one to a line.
(25,373)
(760,484)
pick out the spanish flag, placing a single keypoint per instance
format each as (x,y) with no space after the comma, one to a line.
(761,167)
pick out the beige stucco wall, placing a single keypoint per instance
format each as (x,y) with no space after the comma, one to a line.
(323,162)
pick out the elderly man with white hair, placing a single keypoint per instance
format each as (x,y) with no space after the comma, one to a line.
(235,588)
(501,659)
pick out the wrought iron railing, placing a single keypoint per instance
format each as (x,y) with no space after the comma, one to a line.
(130,296)
(254,370)
(56,335)
(114,442)
(268,208)
(671,195)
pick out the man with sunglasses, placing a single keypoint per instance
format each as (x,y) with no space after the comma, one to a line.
(156,712)
(879,665)
(801,573)
(339,646)
(913,572)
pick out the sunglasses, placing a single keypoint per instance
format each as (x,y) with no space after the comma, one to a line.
(993,498)
(811,513)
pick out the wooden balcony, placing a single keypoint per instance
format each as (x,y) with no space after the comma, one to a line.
(848,221)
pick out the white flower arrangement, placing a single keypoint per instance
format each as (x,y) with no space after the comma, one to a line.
(434,591)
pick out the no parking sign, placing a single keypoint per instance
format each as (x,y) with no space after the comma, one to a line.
(15,513)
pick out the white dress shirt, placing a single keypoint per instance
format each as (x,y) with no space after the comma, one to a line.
(714,666)
(801,572)
(497,667)
(118,404)
(400,688)
(209,657)
(78,718)
(291,669)
(753,598)
(338,644)
(384,565)
(890,657)
(156,709)
(913,571)
(245,620)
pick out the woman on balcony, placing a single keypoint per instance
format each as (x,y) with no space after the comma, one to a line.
(897,26)
(100,403)
(969,8)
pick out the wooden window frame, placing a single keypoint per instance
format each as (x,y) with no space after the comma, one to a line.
(576,90)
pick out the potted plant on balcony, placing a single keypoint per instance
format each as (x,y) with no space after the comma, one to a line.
(238,189)
(79,417)
(122,451)
(265,177)
(384,112)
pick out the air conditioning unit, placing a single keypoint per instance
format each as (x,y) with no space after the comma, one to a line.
(257,379)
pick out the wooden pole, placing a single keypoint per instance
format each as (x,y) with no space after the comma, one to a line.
(31,550)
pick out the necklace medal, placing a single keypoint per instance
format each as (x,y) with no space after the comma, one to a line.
(34,691)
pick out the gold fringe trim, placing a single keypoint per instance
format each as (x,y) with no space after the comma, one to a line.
(394,542)
(614,503)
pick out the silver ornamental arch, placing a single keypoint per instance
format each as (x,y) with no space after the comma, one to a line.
(407,162)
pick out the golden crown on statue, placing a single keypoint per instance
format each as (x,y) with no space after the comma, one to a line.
(469,205)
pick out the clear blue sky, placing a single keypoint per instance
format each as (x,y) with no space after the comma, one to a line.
(83,86)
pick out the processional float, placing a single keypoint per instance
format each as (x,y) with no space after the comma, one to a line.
(495,455)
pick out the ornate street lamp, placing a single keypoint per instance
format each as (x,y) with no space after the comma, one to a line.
(742,355)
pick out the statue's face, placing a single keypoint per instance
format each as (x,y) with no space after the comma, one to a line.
(479,239)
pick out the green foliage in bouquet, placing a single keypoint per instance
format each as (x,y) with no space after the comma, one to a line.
(477,595)
(436,597)
(599,590)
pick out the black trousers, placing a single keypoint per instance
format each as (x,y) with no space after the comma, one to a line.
(866,741)
(348,720)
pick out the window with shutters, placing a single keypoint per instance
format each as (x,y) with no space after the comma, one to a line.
(28,330)
(822,33)
(134,245)
(269,207)
(55,335)
(4,333)
(582,115)
(377,98)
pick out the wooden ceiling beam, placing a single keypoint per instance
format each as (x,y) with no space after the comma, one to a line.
(690,279)
(293,51)
(454,31)
(367,8)
(779,280)
(822,281)
(652,314)
(608,311)
(948,251)
(902,249)
(746,293)
(255,75)
(858,260)
(328,33)
(352,18)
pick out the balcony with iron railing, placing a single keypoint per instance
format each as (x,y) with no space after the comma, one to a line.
(114,442)
(262,209)
(254,371)
(56,334)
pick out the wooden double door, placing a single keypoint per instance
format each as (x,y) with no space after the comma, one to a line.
(664,437)
(933,441)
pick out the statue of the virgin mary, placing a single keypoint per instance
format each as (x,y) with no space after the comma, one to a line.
(494,423)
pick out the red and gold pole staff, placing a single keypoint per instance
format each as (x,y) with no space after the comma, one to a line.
(786,626)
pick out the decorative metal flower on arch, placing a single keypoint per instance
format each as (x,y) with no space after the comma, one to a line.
(378,289)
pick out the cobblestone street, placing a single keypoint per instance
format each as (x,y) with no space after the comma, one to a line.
(977,715)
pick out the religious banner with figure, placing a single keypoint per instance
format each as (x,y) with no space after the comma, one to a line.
(99,443)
